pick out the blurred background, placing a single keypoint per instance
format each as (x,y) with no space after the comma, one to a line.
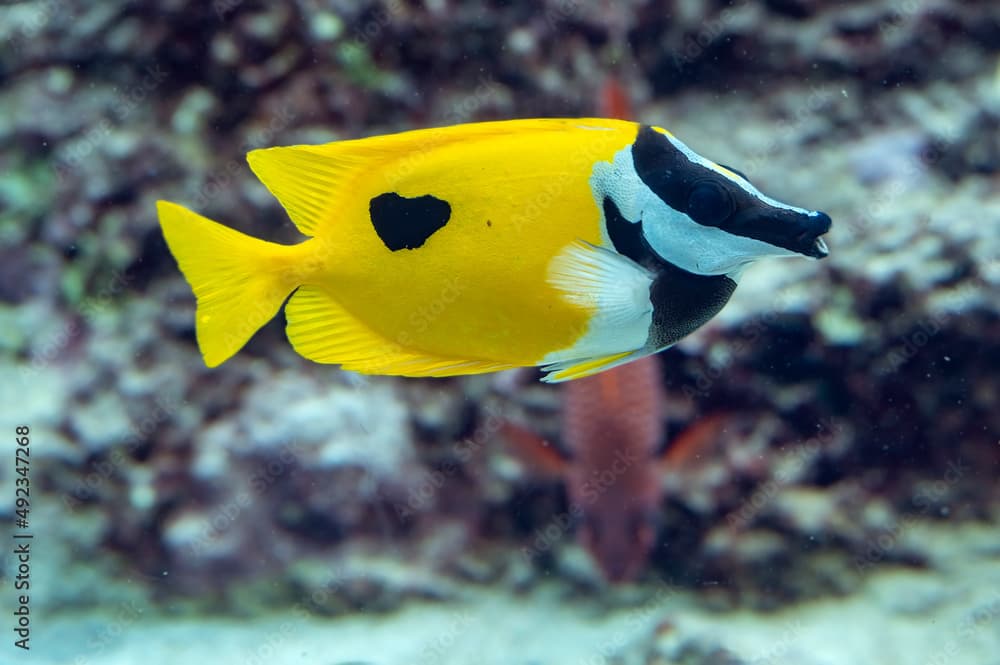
(831,439)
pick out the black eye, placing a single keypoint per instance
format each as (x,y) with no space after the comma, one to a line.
(709,203)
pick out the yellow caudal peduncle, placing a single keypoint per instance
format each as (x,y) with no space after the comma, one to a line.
(240,282)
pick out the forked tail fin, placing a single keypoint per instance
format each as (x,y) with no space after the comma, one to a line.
(240,282)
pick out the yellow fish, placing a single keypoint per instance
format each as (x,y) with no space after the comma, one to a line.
(571,244)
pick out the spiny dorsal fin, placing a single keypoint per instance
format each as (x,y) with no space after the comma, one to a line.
(309,180)
(305,180)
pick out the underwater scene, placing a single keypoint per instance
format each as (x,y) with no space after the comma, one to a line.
(441,332)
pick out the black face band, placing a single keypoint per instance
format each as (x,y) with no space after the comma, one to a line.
(712,199)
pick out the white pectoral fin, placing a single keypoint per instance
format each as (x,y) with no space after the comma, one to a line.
(616,290)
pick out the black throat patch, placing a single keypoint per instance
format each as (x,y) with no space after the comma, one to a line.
(682,301)
(403,223)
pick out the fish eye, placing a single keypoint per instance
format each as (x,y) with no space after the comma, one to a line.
(709,203)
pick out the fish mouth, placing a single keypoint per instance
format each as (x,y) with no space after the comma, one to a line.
(811,242)
(818,249)
(788,231)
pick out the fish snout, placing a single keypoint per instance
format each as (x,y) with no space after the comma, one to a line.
(786,229)
(815,225)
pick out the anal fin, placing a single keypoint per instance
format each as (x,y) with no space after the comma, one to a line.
(577,369)
(321,330)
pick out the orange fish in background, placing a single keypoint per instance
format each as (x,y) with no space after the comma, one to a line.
(616,461)
(612,433)
(613,425)
(614,100)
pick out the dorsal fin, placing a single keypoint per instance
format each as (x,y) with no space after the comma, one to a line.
(304,179)
(309,180)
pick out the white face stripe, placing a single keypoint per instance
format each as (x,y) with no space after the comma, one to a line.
(703,250)
(675,237)
(619,181)
(695,158)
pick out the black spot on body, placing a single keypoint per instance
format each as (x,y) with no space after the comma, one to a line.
(404,223)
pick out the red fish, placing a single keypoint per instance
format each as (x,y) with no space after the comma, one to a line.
(612,431)
(614,101)
(613,427)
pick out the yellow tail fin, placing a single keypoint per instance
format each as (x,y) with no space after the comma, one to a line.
(240,282)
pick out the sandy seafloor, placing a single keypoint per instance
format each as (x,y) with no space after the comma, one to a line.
(947,615)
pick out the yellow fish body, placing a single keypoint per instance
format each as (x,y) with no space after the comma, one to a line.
(486,246)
